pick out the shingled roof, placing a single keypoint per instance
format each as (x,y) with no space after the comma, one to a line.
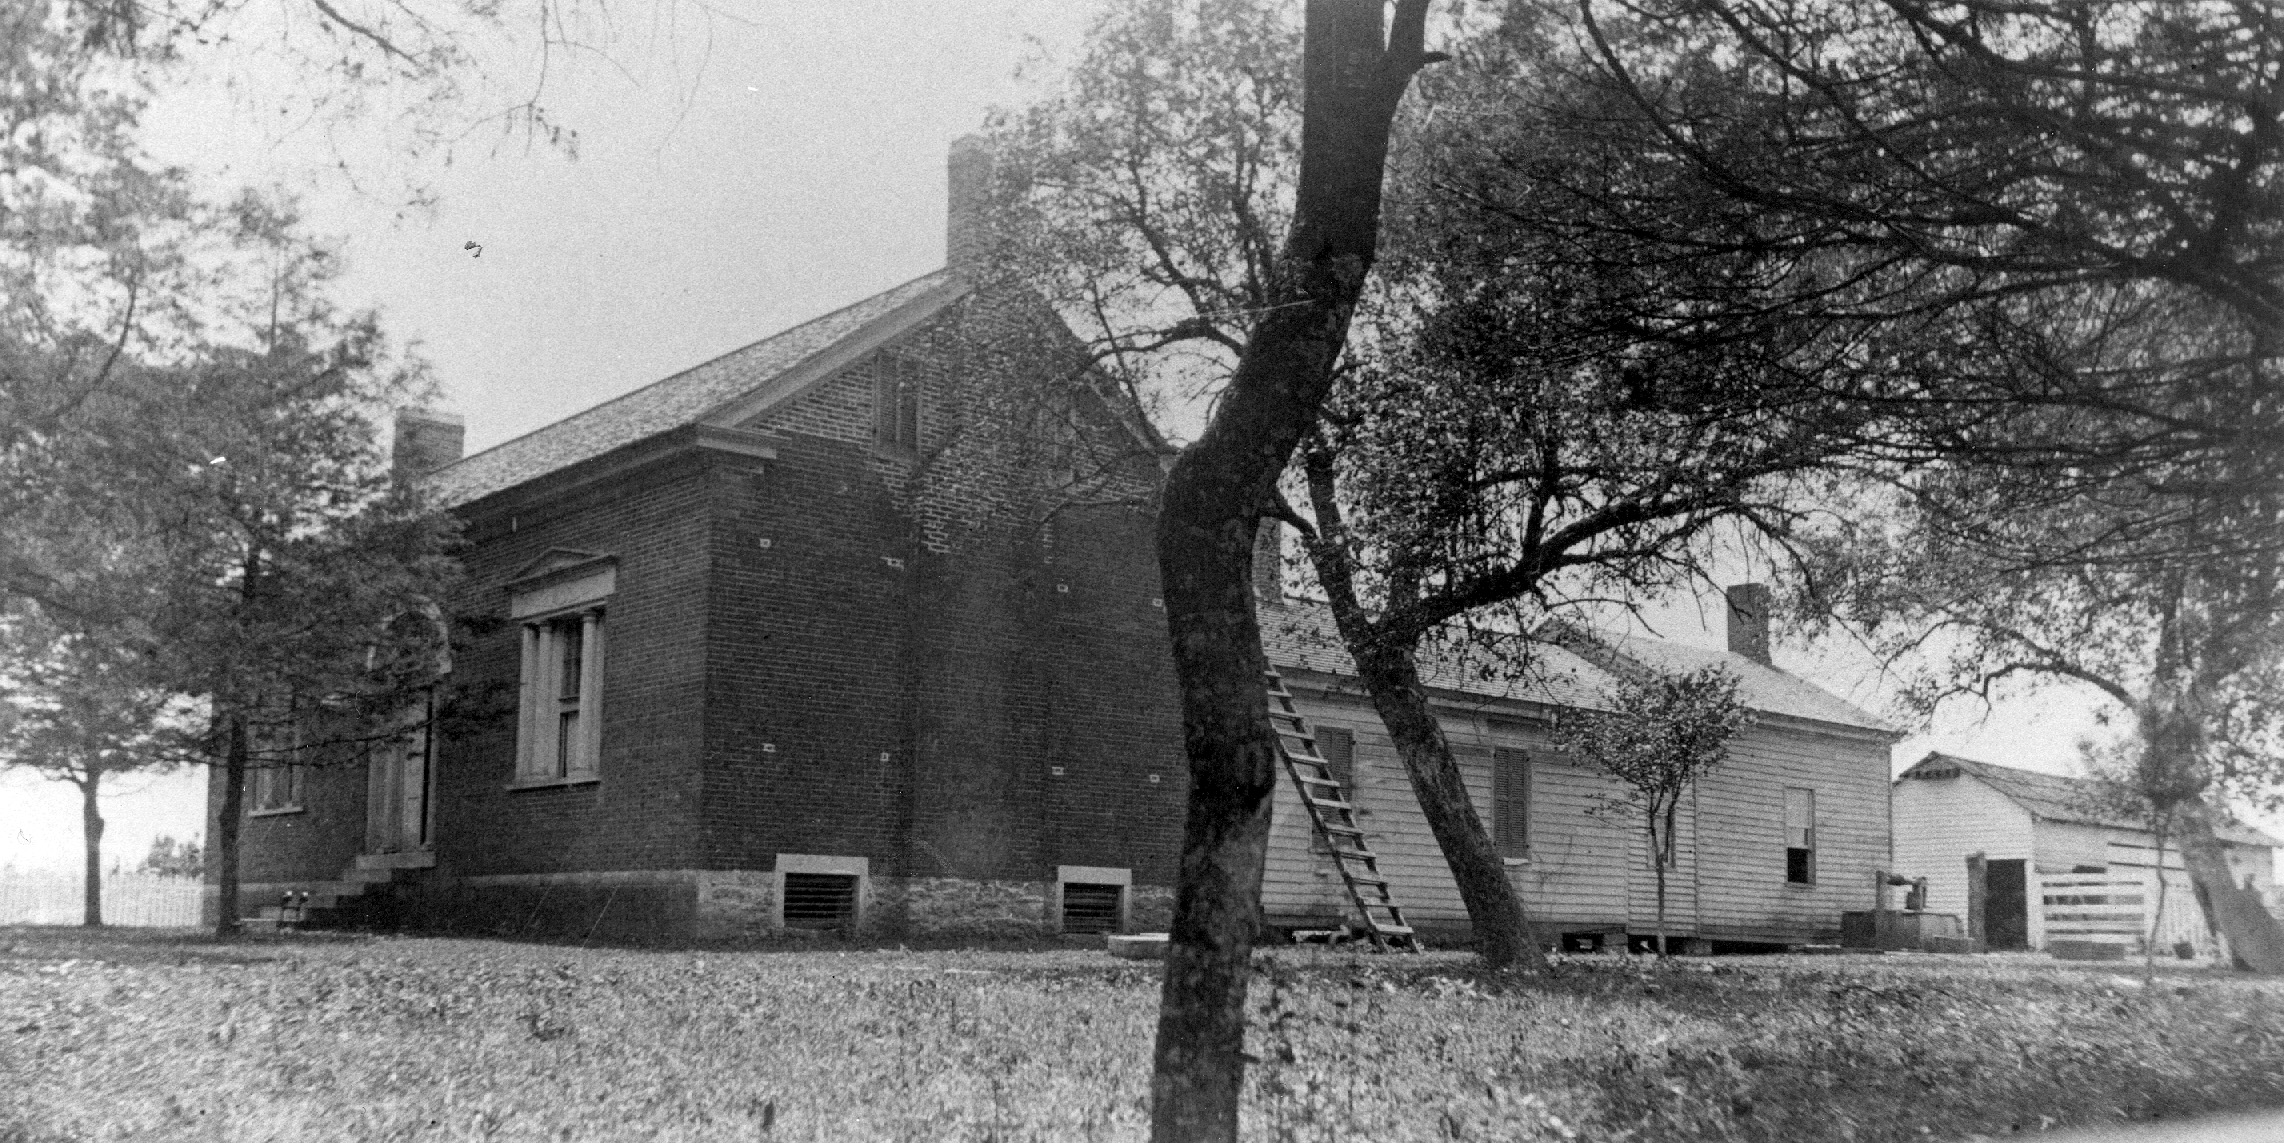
(2058,798)
(1300,634)
(750,379)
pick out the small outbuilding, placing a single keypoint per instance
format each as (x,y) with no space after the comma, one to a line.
(2059,866)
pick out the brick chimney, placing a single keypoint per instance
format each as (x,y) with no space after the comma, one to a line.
(425,441)
(967,229)
(1749,621)
(1269,562)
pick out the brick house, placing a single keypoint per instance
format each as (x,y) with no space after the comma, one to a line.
(858,626)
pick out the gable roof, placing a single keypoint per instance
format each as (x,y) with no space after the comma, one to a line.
(2060,798)
(1764,687)
(742,384)
(1572,671)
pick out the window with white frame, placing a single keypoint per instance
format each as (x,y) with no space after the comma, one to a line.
(1799,835)
(561,612)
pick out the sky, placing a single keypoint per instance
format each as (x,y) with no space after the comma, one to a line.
(742,165)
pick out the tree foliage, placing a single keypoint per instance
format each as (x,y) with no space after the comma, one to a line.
(1658,735)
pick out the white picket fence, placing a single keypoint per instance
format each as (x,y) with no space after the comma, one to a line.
(41,897)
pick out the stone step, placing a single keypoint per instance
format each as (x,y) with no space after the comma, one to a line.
(410,859)
(381,876)
(1138,946)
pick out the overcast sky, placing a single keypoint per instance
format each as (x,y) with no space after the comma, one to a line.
(742,166)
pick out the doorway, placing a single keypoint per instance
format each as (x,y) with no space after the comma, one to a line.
(2006,904)
(397,795)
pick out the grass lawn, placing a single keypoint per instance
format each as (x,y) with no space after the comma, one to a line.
(141,1034)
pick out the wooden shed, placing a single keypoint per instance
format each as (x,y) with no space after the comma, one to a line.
(1810,776)
(2056,858)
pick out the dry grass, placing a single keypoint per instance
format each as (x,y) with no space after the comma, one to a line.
(170,1037)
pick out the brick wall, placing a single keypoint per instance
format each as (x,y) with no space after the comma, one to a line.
(906,648)
(642,812)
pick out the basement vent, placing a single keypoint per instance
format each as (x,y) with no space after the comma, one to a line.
(820,900)
(1091,908)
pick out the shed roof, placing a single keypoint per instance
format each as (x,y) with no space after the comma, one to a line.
(2060,798)
(753,378)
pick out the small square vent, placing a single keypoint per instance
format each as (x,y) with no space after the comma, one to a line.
(1091,908)
(820,900)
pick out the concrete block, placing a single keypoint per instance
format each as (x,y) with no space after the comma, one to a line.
(1138,946)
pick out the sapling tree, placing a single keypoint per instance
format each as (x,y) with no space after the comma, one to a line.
(1658,735)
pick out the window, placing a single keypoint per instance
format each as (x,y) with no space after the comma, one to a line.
(1511,802)
(1799,835)
(274,774)
(1337,746)
(559,601)
(562,681)
(896,404)
(277,787)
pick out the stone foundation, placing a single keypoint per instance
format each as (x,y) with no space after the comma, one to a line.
(956,906)
(1149,908)
(677,905)
(735,905)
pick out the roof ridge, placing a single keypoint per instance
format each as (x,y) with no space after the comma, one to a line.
(639,390)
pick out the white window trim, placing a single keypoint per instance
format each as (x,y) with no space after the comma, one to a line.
(542,758)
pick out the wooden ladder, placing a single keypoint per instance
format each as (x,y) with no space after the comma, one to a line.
(1334,818)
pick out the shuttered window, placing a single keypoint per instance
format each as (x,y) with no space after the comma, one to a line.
(896,404)
(1799,835)
(1337,746)
(1511,801)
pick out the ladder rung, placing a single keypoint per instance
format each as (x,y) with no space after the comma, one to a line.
(1316,781)
(1336,827)
(1393,930)
(1327,804)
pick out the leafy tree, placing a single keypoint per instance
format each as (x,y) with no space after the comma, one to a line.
(1522,422)
(2151,602)
(75,712)
(1659,734)
(2056,223)
(254,555)
(171,858)
(1357,63)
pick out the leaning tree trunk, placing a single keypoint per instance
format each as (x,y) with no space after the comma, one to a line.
(2237,912)
(91,834)
(1213,501)
(230,817)
(1494,909)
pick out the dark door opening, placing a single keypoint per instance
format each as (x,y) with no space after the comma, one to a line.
(2006,905)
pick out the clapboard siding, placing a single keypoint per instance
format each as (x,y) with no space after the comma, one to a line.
(1588,866)
(1741,890)
(1939,821)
